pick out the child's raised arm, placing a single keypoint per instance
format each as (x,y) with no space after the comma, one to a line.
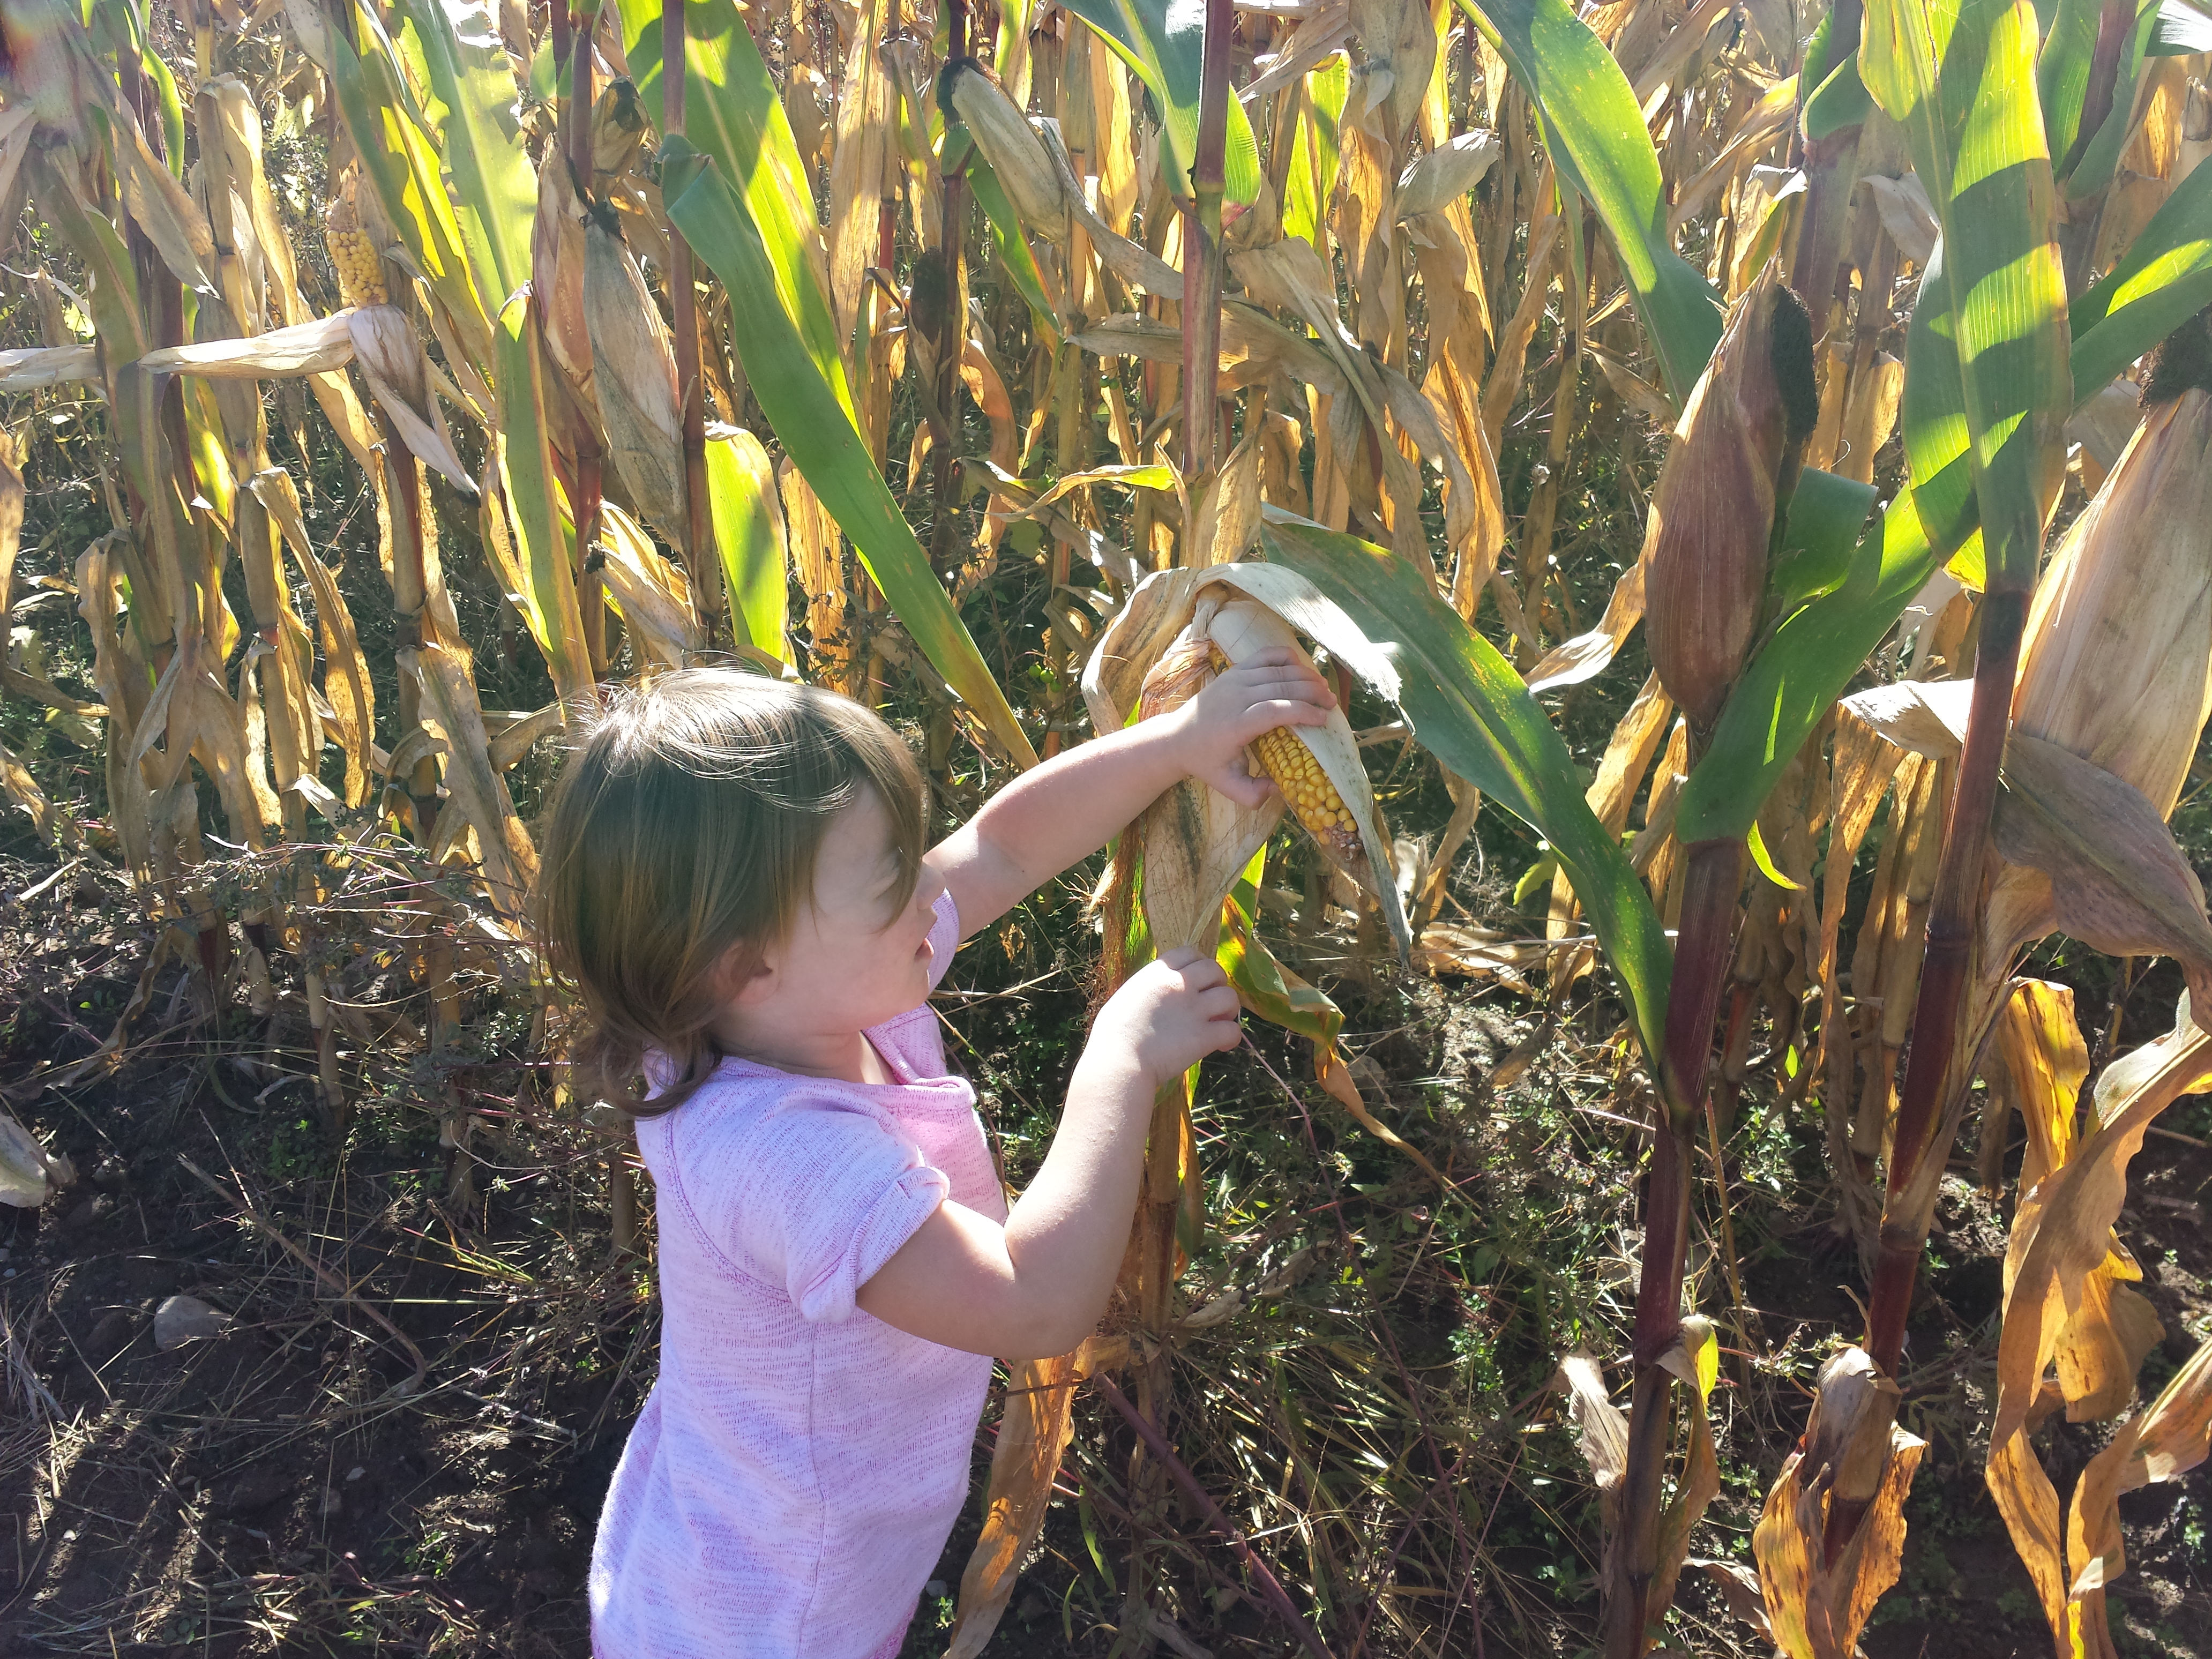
(1036,1287)
(1073,804)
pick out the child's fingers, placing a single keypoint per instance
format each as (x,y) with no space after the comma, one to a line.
(1243,789)
(1286,677)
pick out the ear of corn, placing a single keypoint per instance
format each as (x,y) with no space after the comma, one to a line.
(1317,767)
(353,256)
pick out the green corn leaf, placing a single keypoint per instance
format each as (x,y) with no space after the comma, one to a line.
(2100,150)
(1594,134)
(467,66)
(1473,713)
(2164,279)
(542,540)
(399,164)
(742,499)
(733,113)
(1164,42)
(1314,156)
(2062,77)
(1961,83)
(1013,247)
(1839,98)
(1820,540)
(817,432)
(1934,424)
(1797,677)
(1264,985)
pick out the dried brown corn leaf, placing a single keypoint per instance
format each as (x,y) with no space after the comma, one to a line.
(634,377)
(2118,882)
(1033,1429)
(2116,665)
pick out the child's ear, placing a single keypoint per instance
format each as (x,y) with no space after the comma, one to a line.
(744,975)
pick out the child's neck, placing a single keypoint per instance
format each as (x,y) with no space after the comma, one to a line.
(848,1057)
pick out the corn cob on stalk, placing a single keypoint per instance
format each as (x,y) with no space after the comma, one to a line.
(1317,768)
(353,252)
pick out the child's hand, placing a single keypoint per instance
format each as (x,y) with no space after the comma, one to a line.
(1169,1015)
(1273,689)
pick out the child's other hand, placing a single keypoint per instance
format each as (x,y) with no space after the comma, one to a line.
(1274,688)
(1171,1014)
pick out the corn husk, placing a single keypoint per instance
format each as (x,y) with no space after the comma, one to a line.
(1712,516)
(2117,663)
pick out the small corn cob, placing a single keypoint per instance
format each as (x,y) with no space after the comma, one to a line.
(353,252)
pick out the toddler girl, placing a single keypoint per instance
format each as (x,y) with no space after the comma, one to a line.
(736,885)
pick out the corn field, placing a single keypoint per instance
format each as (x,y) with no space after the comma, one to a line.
(1014,366)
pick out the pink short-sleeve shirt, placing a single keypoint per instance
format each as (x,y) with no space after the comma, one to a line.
(798,1465)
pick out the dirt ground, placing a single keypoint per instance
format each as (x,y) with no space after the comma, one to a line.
(428,1356)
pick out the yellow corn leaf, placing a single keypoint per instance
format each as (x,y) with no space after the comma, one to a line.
(1588,654)
(857,170)
(347,687)
(1602,1425)
(1694,1361)
(391,359)
(151,194)
(816,559)
(2061,1231)
(2161,1444)
(98,602)
(2118,882)
(17,784)
(2117,662)
(34,367)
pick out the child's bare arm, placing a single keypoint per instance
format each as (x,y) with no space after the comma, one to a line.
(1073,804)
(1037,1285)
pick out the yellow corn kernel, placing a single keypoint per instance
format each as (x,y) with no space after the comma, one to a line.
(360,270)
(1314,800)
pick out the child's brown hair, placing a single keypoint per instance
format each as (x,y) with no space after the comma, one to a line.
(686,825)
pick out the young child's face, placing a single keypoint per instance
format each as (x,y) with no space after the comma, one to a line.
(860,954)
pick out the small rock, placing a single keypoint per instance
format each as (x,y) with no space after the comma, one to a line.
(254,1490)
(184,1319)
(109,1337)
(333,1503)
(355,1473)
(91,1213)
(111,1174)
(935,1587)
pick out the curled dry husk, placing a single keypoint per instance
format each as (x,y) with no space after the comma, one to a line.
(1853,1453)
(1156,654)
(1712,515)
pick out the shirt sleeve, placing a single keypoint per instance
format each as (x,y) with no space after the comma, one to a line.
(812,1195)
(944,939)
